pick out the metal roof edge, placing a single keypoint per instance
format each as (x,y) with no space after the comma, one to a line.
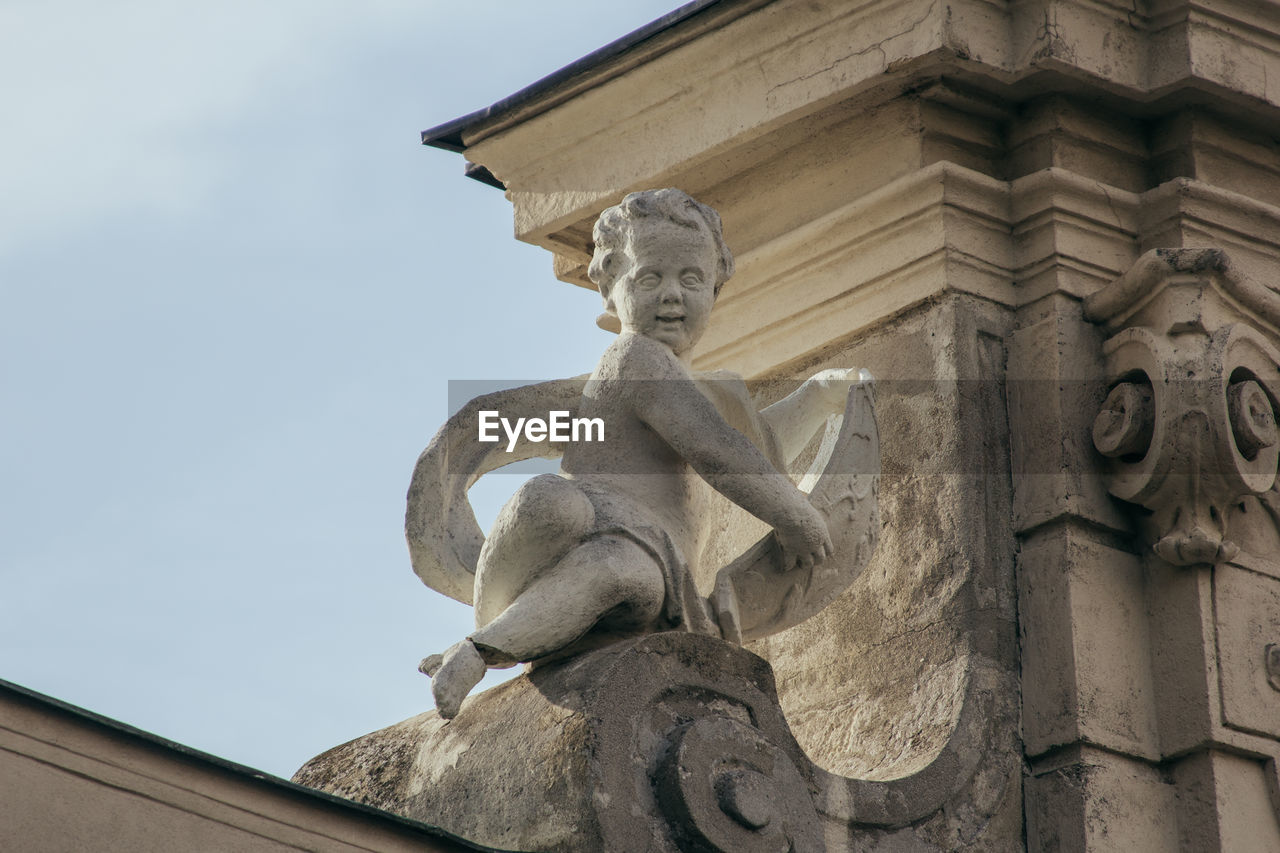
(448,136)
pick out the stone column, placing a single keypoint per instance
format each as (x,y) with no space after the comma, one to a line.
(961,197)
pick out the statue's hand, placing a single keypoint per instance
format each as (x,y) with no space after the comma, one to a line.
(804,539)
(831,387)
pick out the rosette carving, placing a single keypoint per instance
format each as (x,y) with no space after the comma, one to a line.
(724,786)
(690,749)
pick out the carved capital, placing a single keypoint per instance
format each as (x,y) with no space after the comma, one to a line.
(1189,426)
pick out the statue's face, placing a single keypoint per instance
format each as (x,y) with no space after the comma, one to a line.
(669,289)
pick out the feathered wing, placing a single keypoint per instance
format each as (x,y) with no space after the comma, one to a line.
(754,596)
(439,524)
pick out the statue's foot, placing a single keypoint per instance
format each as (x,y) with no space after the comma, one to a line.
(430,664)
(460,669)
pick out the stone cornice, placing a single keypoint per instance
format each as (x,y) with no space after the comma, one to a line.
(1116,305)
(897,239)
(754,71)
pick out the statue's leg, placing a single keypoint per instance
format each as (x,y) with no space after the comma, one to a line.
(607,577)
(537,527)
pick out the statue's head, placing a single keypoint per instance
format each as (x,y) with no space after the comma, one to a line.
(660,260)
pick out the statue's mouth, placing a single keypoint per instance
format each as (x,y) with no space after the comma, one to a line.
(670,318)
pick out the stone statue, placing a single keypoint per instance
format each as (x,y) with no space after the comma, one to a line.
(641,724)
(603,549)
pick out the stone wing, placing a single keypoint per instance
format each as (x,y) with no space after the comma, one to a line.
(439,524)
(754,597)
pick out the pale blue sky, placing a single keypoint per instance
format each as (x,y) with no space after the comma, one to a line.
(234,287)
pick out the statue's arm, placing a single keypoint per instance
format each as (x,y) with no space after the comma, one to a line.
(675,409)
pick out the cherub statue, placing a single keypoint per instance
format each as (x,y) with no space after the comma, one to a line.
(604,547)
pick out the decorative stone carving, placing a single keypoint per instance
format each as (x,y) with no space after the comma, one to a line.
(658,733)
(1189,425)
(1271,661)
(654,733)
(672,741)
(607,548)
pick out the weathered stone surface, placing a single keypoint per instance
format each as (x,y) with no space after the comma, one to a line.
(941,192)
(671,741)
(1086,655)
(1226,802)
(1090,800)
(1247,618)
(1189,427)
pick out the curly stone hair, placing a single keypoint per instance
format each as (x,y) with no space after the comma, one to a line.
(613,230)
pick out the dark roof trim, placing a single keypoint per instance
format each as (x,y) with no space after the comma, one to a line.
(483,175)
(257,776)
(449,135)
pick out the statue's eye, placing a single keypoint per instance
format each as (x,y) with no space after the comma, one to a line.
(691,280)
(648,280)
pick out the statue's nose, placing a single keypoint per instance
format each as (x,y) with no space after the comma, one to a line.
(671,291)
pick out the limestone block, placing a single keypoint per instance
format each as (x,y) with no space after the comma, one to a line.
(1184,212)
(1090,801)
(1053,390)
(1227,802)
(874,684)
(916,664)
(671,742)
(1217,152)
(1253,522)
(1183,666)
(1085,646)
(1070,233)
(940,230)
(1247,805)
(1062,133)
(1247,618)
(699,97)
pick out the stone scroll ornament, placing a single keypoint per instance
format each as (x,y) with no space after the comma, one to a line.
(1189,423)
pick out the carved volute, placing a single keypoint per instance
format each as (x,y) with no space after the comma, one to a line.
(1189,426)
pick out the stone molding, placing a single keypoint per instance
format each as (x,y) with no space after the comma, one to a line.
(695,108)
(898,238)
(946,228)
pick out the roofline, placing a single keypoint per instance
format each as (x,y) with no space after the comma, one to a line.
(30,696)
(448,136)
